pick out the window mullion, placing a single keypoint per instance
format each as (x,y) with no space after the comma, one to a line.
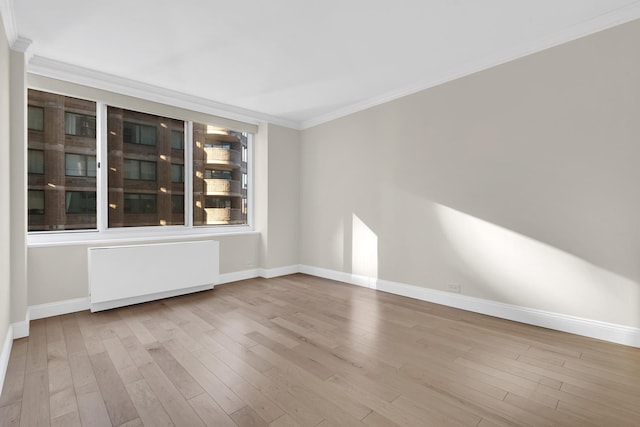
(188,174)
(102,177)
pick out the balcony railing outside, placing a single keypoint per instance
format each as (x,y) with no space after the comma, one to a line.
(221,155)
(222,215)
(216,186)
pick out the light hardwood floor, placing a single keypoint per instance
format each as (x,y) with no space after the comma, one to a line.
(300,350)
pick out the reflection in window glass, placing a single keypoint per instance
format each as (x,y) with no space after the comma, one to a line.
(134,133)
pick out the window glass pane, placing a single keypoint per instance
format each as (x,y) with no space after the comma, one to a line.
(177,173)
(177,140)
(131,169)
(36,162)
(91,166)
(148,171)
(177,204)
(141,189)
(35,119)
(140,203)
(69,118)
(75,165)
(36,202)
(80,202)
(219,192)
(79,125)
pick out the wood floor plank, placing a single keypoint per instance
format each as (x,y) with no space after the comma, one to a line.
(10,414)
(149,408)
(35,399)
(116,399)
(306,351)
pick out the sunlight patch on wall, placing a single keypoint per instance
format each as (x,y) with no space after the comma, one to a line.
(364,256)
(523,271)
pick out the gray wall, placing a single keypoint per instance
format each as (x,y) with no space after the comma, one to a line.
(518,183)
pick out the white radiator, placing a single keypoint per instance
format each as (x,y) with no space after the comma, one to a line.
(125,275)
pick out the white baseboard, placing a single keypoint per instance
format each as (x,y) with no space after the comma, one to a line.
(21,329)
(42,311)
(266,273)
(561,322)
(4,356)
(270,273)
(237,276)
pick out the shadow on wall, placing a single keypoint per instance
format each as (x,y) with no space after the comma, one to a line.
(494,263)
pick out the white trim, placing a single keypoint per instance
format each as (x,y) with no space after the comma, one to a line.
(159,234)
(21,329)
(602,22)
(266,273)
(96,79)
(237,276)
(4,356)
(278,271)
(561,322)
(57,308)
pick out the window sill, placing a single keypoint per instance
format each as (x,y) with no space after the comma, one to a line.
(68,238)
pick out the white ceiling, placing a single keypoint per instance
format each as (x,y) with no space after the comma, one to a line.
(302,62)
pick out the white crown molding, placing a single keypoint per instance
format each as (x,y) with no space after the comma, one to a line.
(599,23)
(9,20)
(75,74)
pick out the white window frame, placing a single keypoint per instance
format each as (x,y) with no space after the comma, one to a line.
(104,234)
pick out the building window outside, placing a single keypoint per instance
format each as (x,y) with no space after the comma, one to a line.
(80,165)
(139,169)
(177,140)
(135,133)
(140,203)
(35,202)
(80,202)
(145,169)
(177,173)
(79,125)
(36,162)
(35,118)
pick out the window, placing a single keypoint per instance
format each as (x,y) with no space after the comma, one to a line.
(35,118)
(36,162)
(79,125)
(35,202)
(140,203)
(80,165)
(218,155)
(70,169)
(177,204)
(177,173)
(137,171)
(177,140)
(80,202)
(134,133)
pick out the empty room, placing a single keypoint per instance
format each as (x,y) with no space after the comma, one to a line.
(290,213)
